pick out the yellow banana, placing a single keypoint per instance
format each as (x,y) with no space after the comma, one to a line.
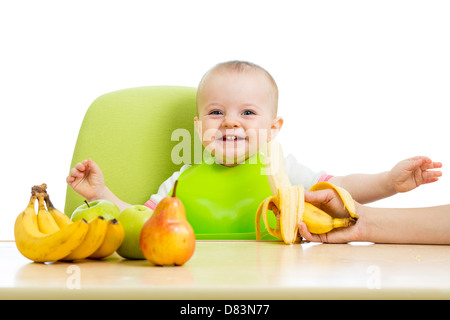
(289,206)
(94,238)
(46,223)
(62,220)
(40,247)
(320,222)
(343,194)
(113,239)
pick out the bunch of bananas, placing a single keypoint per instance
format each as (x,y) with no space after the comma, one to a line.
(50,235)
(289,206)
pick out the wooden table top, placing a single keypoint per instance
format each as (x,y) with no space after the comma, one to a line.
(240,270)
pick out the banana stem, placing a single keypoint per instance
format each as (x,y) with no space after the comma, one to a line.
(48,202)
(40,190)
(32,201)
(343,222)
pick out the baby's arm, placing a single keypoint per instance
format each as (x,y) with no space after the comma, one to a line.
(404,176)
(86,178)
(366,188)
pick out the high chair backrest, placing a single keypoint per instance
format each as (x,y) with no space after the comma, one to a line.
(129,134)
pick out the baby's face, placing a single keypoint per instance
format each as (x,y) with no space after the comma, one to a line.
(236,114)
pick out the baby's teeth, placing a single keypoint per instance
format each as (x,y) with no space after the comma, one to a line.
(231,138)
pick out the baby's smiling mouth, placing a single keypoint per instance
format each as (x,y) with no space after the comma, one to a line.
(232,138)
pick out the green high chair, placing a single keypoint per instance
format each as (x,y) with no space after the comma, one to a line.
(128,133)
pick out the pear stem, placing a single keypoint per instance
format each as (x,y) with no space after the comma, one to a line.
(174,189)
(85,201)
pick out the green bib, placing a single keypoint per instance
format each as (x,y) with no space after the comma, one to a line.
(221,202)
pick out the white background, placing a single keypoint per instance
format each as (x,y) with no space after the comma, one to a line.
(363,84)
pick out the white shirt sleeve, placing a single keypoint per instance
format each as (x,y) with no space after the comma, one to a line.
(165,188)
(302,175)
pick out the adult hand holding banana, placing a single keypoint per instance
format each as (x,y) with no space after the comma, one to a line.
(289,206)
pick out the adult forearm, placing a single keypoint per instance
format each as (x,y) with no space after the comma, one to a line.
(429,225)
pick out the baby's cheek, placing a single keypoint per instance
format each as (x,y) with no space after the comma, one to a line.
(209,136)
(257,138)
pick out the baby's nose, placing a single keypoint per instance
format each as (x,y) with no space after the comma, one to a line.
(230,122)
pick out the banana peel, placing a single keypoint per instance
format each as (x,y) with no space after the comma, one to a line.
(289,206)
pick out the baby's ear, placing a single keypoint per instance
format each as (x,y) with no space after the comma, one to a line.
(277,123)
(197,124)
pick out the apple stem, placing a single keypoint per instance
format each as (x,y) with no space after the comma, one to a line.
(85,201)
(174,189)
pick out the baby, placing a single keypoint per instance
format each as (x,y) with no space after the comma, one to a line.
(236,116)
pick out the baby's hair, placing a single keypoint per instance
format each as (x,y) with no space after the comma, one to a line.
(242,66)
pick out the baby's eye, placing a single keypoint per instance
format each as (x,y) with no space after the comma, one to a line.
(247,113)
(215,112)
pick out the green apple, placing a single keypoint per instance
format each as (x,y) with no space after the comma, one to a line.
(88,211)
(132,220)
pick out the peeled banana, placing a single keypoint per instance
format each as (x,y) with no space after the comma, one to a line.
(50,235)
(289,206)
